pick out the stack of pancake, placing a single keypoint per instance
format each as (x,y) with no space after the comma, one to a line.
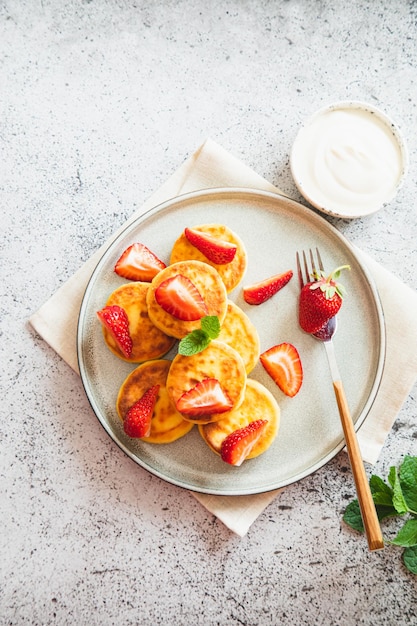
(229,359)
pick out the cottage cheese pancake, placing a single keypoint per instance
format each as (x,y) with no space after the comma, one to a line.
(258,404)
(240,333)
(210,286)
(218,361)
(231,273)
(167,424)
(149,342)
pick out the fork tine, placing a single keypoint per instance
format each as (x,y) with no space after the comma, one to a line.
(313,266)
(299,270)
(306,268)
(321,266)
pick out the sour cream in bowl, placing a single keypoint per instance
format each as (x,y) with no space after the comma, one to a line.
(349,159)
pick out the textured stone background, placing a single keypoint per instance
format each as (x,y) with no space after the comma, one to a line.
(100,102)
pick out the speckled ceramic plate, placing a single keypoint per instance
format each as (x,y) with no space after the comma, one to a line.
(272,228)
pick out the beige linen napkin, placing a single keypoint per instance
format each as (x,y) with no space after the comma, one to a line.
(212,166)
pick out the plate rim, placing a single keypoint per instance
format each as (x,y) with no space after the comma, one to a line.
(215,192)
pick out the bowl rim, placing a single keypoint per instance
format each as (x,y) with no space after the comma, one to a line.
(341,105)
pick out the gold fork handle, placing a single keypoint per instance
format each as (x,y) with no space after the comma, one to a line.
(366,503)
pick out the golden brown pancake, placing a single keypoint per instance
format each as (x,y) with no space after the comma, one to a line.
(218,361)
(167,424)
(239,332)
(258,404)
(149,342)
(210,286)
(231,273)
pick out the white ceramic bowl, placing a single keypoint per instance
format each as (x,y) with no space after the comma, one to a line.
(349,159)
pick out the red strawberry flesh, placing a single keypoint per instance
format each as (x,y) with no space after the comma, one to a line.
(138,263)
(206,398)
(115,319)
(314,310)
(262,291)
(320,300)
(215,250)
(237,446)
(283,364)
(179,297)
(137,422)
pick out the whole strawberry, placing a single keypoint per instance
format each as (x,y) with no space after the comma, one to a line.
(320,300)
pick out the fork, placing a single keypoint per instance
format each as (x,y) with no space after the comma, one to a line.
(325,335)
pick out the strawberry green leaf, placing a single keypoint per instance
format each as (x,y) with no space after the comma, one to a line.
(410,559)
(408,482)
(407,535)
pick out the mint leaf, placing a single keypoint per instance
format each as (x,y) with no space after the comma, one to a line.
(381,492)
(391,476)
(352,516)
(410,559)
(398,497)
(394,501)
(199,339)
(382,495)
(407,535)
(211,325)
(194,342)
(408,482)
(383,511)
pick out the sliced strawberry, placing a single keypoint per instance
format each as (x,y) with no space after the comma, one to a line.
(215,250)
(206,398)
(115,319)
(283,364)
(239,444)
(180,297)
(259,292)
(138,263)
(137,422)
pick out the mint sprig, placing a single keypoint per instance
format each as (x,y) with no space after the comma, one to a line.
(398,498)
(199,339)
